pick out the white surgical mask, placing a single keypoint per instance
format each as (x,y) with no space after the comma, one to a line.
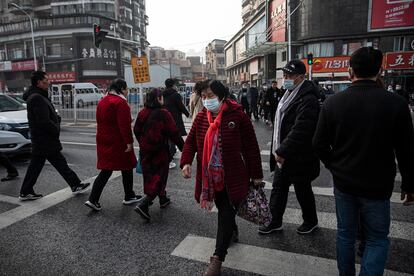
(212,105)
(288,84)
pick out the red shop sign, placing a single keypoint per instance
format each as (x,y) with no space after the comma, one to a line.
(26,65)
(57,77)
(399,60)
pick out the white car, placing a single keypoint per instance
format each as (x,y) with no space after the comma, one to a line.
(14,127)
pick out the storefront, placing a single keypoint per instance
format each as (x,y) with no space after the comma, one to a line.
(399,69)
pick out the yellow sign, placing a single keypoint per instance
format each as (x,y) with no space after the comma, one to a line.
(140,69)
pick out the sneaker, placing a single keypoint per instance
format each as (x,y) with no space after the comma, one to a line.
(306,228)
(264,230)
(30,196)
(143,212)
(132,200)
(164,202)
(95,206)
(80,188)
(172,165)
(10,176)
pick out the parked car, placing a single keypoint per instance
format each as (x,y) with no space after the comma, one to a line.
(14,127)
(19,98)
(80,93)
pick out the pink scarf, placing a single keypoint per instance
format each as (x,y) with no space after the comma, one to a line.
(212,163)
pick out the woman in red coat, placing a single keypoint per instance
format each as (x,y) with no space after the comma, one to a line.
(114,142)
(154,127)
(228,157)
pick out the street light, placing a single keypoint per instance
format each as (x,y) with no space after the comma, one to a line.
(31,27)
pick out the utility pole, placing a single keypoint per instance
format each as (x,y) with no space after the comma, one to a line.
(289,32)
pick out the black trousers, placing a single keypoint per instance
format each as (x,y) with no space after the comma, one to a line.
(279,197)
(246,106)
(36,165)
(102,179)
(172,149)
(254,110)
(5,162)
(226,223)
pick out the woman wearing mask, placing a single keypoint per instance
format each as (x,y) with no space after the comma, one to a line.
(228,157)
(153,128)
(114,143)
(196,103)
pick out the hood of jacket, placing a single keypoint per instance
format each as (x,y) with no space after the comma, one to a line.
(169,91)
(34,90)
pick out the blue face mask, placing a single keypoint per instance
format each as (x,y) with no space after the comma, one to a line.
(289,84)
(212,105)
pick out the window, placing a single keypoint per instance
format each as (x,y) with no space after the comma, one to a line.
(284,56)
(399,43)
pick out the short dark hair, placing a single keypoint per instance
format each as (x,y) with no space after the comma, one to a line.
(198,87)
(118,85)
(151,100)
(169,83)
(366,62)
(37,76)
(218,89)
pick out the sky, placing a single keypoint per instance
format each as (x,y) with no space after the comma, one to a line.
(189,25)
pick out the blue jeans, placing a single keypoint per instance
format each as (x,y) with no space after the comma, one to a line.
(375,220)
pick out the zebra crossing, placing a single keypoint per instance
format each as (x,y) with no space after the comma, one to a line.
(270,261)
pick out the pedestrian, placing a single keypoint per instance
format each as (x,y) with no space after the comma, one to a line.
(243,98)
(11,170)
(114,144)
(253,96)
(173,102)
(196,103)
(272,97)
(154,127)
(359,135)
(45,130)
(261,103)
(402,92)
(293,159)
(228,158)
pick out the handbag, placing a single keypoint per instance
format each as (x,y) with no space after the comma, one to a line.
(138,169)
(255,207)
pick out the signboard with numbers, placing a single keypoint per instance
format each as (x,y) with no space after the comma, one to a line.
(140,69)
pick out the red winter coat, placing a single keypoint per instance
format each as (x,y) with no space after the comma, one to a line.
(240,151)
(114,132)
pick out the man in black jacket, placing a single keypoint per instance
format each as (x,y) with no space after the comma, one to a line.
(271,100)
(359,134)
(173,102)
(253,97)
(44,129)
(293,158)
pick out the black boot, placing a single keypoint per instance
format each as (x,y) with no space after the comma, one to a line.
(143,208)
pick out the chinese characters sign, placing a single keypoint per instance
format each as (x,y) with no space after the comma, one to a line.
(277,25)
(58,77)
(329,64)
(388,14)
(26,65)
(399,60)
(140,69)
(110,55)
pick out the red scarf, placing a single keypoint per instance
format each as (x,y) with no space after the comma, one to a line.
(212,163)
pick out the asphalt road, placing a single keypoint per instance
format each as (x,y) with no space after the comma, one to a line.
(58,235)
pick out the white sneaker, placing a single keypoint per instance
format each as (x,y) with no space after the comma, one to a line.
(172,165)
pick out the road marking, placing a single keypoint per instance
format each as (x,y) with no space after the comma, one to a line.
(9,199)
(328,191)
(82,144)
(398,229)
(29,208)
(260,260)
(265,152)
(87,133)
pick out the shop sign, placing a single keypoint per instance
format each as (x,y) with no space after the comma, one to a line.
(26,65)
(58,77)
(329,64)
(399,60)
(109,55)
(277,25)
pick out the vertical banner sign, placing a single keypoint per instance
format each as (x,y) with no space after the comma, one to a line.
(140,69)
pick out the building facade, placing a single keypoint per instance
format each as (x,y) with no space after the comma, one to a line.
(64,43)
(215,60)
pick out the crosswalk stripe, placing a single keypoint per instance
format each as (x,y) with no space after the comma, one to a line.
(29,208)
(9,199)
(328,191)
(398,229)
(260,260)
